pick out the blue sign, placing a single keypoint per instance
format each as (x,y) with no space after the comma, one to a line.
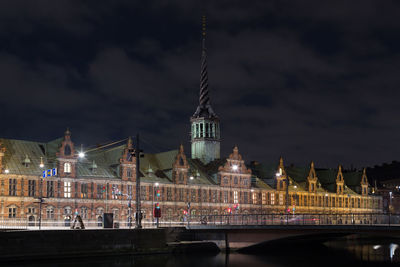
(49,173)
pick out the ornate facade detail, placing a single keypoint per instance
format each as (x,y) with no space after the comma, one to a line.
(364,183)
(128,163)
(312,179)
(281,181)
(67,157)
(180,168)
(339,181)
(235,173)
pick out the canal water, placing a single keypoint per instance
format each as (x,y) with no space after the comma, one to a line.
(346,252)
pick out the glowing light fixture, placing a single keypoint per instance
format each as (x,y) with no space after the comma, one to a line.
(6,170)
(81,154)
(191,177)
(156,184)
(234,167)
(41,165)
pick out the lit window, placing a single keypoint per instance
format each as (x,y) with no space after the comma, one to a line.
(50,213)
(264,199)
(12,212)
(254,198)
(235,197)
(272,199)
(67,189)
(67,167)
(280,199)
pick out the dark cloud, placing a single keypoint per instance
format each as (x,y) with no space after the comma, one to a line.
(308,80)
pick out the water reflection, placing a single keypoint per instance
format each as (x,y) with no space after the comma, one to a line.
(369,250)
(345,252)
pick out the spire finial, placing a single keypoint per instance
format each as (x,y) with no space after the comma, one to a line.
(203,26)
(204,109)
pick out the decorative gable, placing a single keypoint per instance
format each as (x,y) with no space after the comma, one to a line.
(67,157)
(312,179)
(180,168)
(364,183)
(281,181)
(235,173)
(127,170)
(339,181)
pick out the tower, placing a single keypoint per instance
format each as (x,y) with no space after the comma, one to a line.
(205,131)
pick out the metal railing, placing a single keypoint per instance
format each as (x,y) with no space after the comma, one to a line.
(220,220)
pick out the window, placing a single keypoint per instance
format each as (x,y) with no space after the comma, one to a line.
(169,194)
(225,180)
(12,187)
(272,198)
(201,130)
(254,198)
(50,212)
(235,197)
(246,197)
(67,189)
(312,187)
(84,212)
(31,188)
(263,199)
(67,210)
(100,191)
(235,180)
(67,150)
(12,212)
(214,196)
(116,192)
(193,195)
(116,213)
(180,177)
(67,167)
(245,181)
(31,210)
(204,195)
(225,196)
(180,194)
(50,189)
(130,192)
(84,190)
(129,172)
(280,199)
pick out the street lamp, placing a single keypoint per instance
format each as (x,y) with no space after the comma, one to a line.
(41,166)
(153,199)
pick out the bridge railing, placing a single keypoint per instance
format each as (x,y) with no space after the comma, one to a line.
(220,220)
(296,219)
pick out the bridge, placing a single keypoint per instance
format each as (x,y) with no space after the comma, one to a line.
(244,230)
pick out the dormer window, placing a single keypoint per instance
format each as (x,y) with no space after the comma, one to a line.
(26,161)
(67,150)
(181,162)
(67,167)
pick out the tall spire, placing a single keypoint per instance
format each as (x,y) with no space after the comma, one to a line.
(204,109)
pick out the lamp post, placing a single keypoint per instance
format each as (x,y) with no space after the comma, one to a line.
(138,208)
(41,166)
(153,199)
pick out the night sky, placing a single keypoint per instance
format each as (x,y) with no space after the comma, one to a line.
(308,80)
